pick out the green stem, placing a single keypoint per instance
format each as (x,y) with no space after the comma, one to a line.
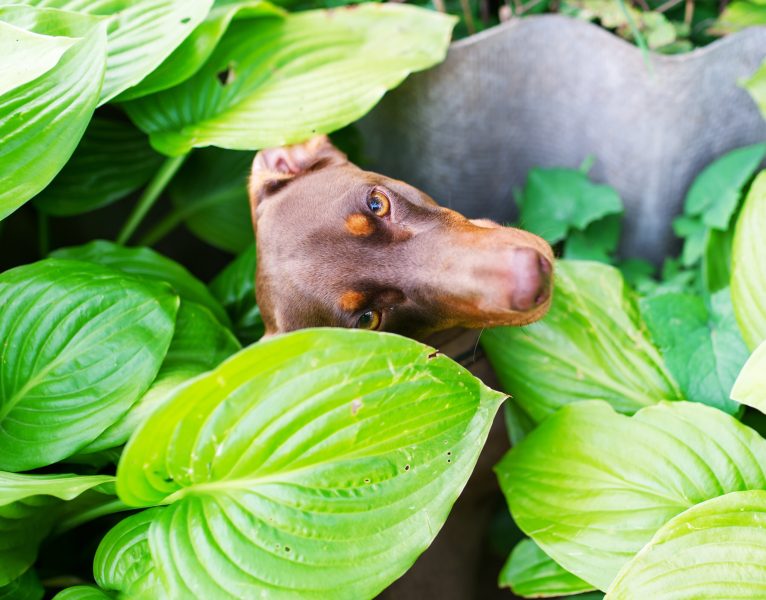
(156,186)
(78,519)
(43,234)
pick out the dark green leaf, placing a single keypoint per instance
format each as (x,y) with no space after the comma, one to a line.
(715,193)
(702,348)
(210,195)
(112,160)
(24,587)
(597,242)
(81,343)
(200,343)
(558,200)
(148,265)
(29,507)
(235,289)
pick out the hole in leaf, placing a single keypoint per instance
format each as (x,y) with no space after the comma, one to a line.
(449,452)
(433,354)
(367,481)
(406,467)
(227,76)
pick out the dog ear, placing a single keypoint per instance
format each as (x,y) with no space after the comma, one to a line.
(273,168)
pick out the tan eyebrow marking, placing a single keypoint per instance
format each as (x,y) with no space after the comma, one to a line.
(352,300)
(359,225)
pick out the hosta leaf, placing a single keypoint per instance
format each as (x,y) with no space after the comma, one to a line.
(235,289)
(25,587)
(714,194)
(716,549)
(123,558)
(702,347)
(557,200)
(750,386)
(210,195)
(197,48)
(592,344)
(748,265)
(321,462)
(141,33)
(42,120)
(112,160)
(29,507)
(592,487)
(81,343)
(18,45)
(531,573)
(311,72)
(82,592)
(200,343)
(149,265)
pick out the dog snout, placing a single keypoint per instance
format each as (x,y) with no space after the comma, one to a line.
(530,279)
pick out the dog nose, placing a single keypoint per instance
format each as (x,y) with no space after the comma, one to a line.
(531,279)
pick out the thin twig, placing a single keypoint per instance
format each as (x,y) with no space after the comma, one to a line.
(439,5)
(666,6)
(470,25)
(689,12)
(642,4)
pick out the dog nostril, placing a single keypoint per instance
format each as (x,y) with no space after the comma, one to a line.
(531,276)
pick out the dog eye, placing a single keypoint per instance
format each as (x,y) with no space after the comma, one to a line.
(369,320)
(379,203)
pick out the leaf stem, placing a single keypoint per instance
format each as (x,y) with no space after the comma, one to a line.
(150,195)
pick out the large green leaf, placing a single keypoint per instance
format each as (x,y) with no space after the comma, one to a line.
(81,343)
(25,587)
(18,45)
(714,195)
(740,14)
(748,265)
(112,160)
(141,33)
(557,200)
(531,573)
(147,264)
(42,120)
(702,347)
(318,463)
(275,81)
(714,550)
(235,289)
(29,507)
(197,48)
(210,196)
(750,386)
(200,343)
(591,345)
(592,487)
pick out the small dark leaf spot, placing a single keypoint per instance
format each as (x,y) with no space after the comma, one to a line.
(227,76)
(406,467)
(168,480)
(434,354)
(287,548)
(185,20)
(449,460)
(367,481)
(449,452)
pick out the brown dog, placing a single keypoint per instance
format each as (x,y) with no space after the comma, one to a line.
(339,246)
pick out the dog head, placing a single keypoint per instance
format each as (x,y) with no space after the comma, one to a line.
(339,246)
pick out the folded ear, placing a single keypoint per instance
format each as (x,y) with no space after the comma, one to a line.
(273,168)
